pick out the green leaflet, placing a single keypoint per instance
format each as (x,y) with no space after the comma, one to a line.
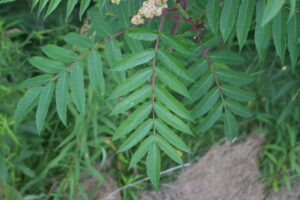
(165,115)
(170,136)
(78,40)
(142,34)
(213,11)
(135,118)
(279,33)
(293,32)
(134,45)
(234,77)
(238,109)
(138,79)
(137,135)
(168,149)
(292,9)
(141,151)
(237,94)
(133,60)
(84,4)
(271,10)
(61,94)
(95,71)
(175,43)
(228,16)
(244,20)
(77,86)
(172,103)
(47,65)
(230,126)
(42,5)
(206,103)
(226,57)
(36,81)
(132,100)
(59,53)
(172,82)
(153,164)
(53,4)
(201,87)
(26,104)
(43,105)
(211,118)
(173,64)
(70,6)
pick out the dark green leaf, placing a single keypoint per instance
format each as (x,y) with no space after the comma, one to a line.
(53,4)
(132,83)
(141,151)
(47,65)
(36,81)
(77,86)
(59,53)
(133,60)
(293,33)
(227,57)
(142,34)
(137,135)
(230,126)
(70,6)
(213,10)
(135,119)
(43,105)
(206,103)
(61,94)
(170,136)
(237,94)
(271,10)
(95,71)
(175,43)
(211,118)
(279,34)
(168,149)
(78,40)
(153,165)
(234,77)
(84,4)
(238,109)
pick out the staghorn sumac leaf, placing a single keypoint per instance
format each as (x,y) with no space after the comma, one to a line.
(238,109)
(78,40)
(280,34)
(70,6)
(61,95)
(237,93)
(36,81)
(59,53)
(168,149)
(77,86)
(234,77)
(212,117)
(84,4)
(141,151)
(175,43)
(213,11)
(47,65)
(271,10)
(153,164)
(226,57)
(230,125)
(52,6)
(95,71)
(293,33)
(143,34)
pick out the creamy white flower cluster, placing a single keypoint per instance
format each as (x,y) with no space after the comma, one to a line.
(150,9)
(116,1)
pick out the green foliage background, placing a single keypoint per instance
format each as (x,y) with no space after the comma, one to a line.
(71,102)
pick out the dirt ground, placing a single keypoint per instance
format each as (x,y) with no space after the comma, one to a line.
(226,172)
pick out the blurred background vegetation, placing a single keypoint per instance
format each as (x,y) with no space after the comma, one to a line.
(53,165)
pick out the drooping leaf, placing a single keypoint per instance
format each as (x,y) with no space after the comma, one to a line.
(141,151)
(77,86)
(237,94)
(175,43)
(165,115)
(36,81)
(228,17)
(135,119)
(279,33)
(26,104)
(293,32)
(84,4)
(42,5)
(211,118)
(226,57)
(59,53)
(172,82)
(172,103)
(173,65)
(230,126)
(292,9)
(238,109)
(138,79)
(262,33)
(70,6)
(78,40)
(206,103)
(137,135)
(53,4)
(61,94)
(168,149)
(153,165)
(142,34)
(133,60)
(47,65)
(95,71)
(132,100)
(43,105)
(170,136)
(213,11)
(244,20)
(271,10)
(233,77)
